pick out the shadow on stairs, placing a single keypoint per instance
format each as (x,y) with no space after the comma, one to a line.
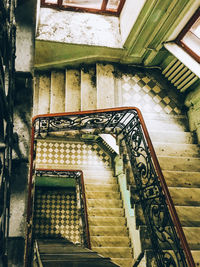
(60,252)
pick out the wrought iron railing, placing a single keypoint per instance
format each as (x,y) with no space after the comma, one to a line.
(168,241)
(7,73)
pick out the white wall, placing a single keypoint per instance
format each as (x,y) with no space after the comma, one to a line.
(129,15)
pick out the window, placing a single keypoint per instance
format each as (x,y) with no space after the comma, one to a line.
(189,38)
(112,7)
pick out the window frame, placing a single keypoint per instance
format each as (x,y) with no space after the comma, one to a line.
(102,10)
(183,33)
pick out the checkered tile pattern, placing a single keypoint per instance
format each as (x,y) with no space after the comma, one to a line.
(56,215)
(140,91)
(64,154)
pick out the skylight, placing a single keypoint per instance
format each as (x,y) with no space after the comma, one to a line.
(112,7)
(189,38)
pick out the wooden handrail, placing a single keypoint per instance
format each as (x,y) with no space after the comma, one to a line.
(169,200)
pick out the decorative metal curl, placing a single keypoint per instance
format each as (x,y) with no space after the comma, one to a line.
(127,126)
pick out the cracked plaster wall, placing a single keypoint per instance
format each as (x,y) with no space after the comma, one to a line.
(79,28)
(20,155)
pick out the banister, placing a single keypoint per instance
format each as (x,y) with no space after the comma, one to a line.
(92,122)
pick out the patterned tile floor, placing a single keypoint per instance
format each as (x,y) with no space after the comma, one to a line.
(140,91)
(62,154)
(56,215)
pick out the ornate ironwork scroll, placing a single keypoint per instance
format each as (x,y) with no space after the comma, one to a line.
(127,124)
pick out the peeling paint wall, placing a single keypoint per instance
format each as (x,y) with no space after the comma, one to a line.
(25,35)
(192,101)
(79,28)
(20,162)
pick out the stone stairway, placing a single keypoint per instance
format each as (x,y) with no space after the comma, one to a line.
(107,222)
(109,234)
(96,87)
(74,90)
(179,158)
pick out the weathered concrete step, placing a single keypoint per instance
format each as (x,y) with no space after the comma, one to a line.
(179,163)
(108,230)
(185,196)
(196,257)
(102,195)
(171,137)
(114,252)
(192,235)
(106,221)
(188,215)
(164,117)
(104,203)
(166,125)
(125,262)
(150,260)
(182,178)
(102,187)
(100,180)
(179,150)
(115,212)
(93,174)
(102,168)
(109,241)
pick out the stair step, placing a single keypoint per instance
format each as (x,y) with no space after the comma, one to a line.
(100,180)
(109,241)
(104,203)
(79,263)
(115,212)
(57,97)
(114,252)
(188,215)
(99,175)
(106,221)
(72,90)
(185,196)
(182,178)
(102,187)
(102,195)
(179,124)
(108,230)
(179,150)
(171,137)
(196,257)
(88,90)
(192,235)
(125,262)
(179,163)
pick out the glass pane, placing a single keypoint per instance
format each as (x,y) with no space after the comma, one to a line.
(195,29)
(51,1)
(113,5)
(96,4)
(193,42)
